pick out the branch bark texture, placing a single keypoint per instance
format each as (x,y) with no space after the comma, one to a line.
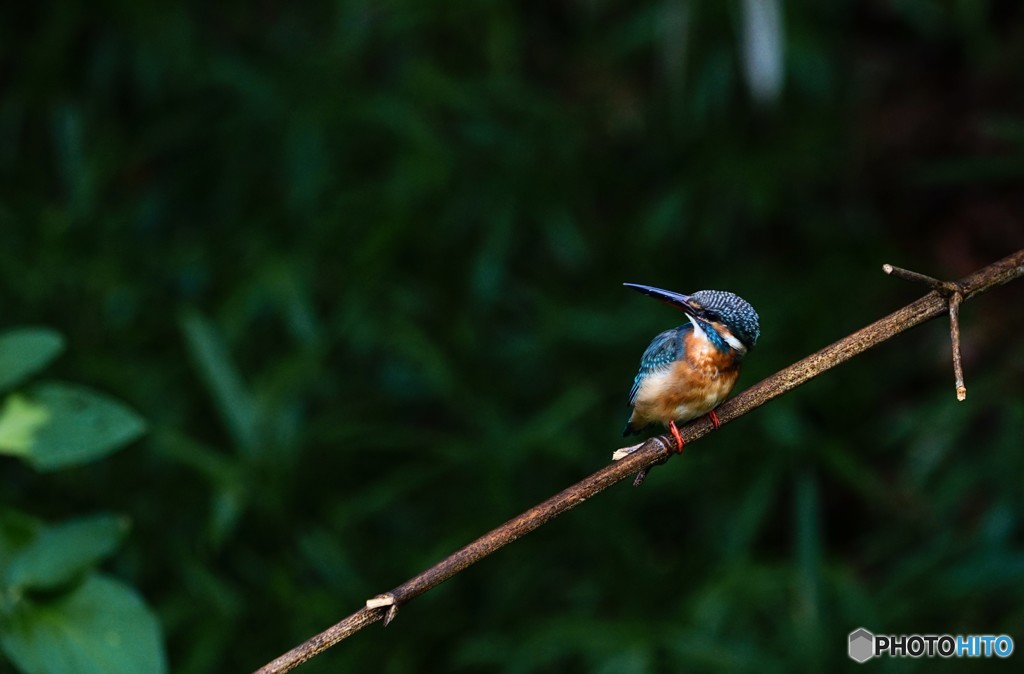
(654,450)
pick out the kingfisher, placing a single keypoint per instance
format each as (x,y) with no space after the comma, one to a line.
(688,371)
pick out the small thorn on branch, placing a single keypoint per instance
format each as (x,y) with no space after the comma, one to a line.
(382,600)
(954,295)
(642,475)
(622,453)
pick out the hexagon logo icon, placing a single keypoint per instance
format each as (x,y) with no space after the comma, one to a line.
(862,645)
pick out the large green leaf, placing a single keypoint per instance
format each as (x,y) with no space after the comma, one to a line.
(82,426)
(25,351)
(61,552)
(100,627)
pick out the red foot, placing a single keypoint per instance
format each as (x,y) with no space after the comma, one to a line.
(714,419)
(679,438)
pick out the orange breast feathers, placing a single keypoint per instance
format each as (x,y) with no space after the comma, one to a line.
(690,387)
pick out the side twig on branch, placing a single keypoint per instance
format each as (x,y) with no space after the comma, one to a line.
(954,293)
(946,296)
(954,337)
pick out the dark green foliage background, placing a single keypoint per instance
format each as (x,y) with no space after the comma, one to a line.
(358,264)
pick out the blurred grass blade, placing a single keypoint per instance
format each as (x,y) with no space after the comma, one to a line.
(71,161)
(763,49)
(230,395)
(807,614)
(25,351)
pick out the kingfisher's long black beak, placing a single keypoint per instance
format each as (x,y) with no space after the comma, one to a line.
(670,298)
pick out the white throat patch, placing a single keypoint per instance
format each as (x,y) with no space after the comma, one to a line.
(697,328)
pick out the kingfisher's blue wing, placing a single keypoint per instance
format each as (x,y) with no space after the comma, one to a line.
(663,350)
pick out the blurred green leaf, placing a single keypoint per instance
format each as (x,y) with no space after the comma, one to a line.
(100,627)
(82,425)
(20,420)
(17,531)
(61,552)
(25,351)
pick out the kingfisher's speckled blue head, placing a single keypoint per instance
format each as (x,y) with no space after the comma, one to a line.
(712,306)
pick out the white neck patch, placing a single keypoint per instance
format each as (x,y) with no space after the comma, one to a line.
(733,342)
(729,338)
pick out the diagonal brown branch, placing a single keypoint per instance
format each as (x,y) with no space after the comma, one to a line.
(650,452)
